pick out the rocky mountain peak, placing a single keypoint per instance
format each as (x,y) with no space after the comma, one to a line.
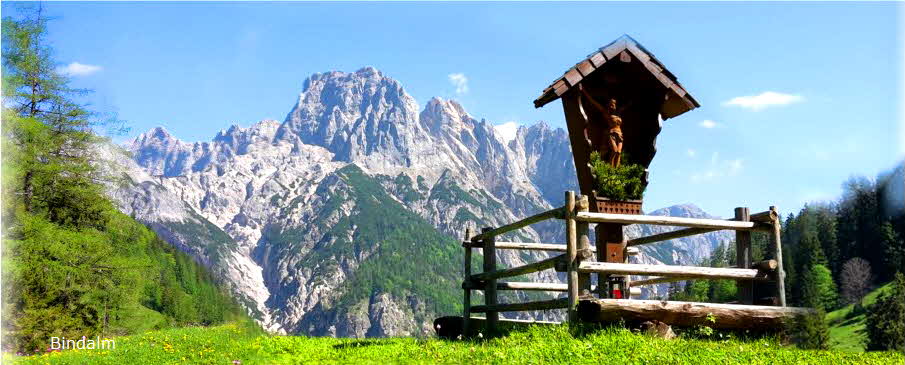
(440,114)
(362,117)
(687,210)
(156,135)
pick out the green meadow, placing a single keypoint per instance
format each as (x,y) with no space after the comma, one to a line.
(238,344)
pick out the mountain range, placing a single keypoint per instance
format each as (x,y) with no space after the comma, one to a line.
(345,218)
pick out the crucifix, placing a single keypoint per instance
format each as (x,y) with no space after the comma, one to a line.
(610,147)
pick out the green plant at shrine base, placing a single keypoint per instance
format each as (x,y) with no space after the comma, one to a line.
(624,182)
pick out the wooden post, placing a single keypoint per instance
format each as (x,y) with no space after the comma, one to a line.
(466,302)
(571,255)
(776,244)
(743,256)
(490,285)
(584,248)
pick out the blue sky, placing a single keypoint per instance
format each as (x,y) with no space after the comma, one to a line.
(797,97)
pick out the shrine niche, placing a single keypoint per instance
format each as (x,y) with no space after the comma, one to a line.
(614,102)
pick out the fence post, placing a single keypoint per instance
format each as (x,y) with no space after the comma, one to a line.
(743,256)
(490,285)
(571,255)
(776,243)
(584,248)
(466,302)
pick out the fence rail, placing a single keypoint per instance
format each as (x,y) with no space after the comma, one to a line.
(576,255)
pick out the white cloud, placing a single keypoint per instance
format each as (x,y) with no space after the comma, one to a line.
(735,166)
(507,130)
(78,69)
(692,153)
(707,123)
(459,81)
(718,168)
(764,100)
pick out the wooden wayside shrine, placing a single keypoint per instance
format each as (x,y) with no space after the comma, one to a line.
(588,302)
(614,102)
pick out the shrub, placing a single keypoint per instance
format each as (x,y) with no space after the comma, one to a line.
(811,331)
(624,182)
(886,319)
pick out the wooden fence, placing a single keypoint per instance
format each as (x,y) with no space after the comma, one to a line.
(577,260)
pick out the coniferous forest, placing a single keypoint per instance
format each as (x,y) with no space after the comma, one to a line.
(834,253)
(73,265)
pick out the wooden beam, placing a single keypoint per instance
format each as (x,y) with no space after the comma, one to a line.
(776,243)
(520,285)
(688,272)
(689,314)
(490,298)
(743,253)
(663,221)
(657,280)
(553,213)
(765,265)
(679,233)
(584,247)
(520,270)
(571,255)
(551,247)
(466,299)
(529,306)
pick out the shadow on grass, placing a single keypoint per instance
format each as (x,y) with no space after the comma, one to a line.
(850,321)
(359,343)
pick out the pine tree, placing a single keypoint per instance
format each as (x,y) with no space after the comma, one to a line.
(826,234)
(893,248)
(886,319)
(818,289)
(49,135)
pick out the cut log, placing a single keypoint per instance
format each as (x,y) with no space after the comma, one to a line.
(553,213)
(529,306)
(688,272)
(663,221)
(766,265)
(689,314)
(765,217)
(521,270)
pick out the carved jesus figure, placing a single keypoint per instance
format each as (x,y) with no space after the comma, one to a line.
(611,145)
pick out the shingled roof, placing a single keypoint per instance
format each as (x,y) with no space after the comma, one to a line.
(678,102)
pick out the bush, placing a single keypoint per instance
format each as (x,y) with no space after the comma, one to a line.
(886,319)
(810,332)
(624,182)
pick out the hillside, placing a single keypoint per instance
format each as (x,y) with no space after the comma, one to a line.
(847,329)
(73,265)
(233,344)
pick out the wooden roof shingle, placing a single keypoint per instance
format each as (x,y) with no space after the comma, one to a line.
(678,102)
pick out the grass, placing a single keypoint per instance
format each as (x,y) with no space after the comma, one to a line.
(231,343)
(847,334)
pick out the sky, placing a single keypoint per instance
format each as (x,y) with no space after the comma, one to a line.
(795,97)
